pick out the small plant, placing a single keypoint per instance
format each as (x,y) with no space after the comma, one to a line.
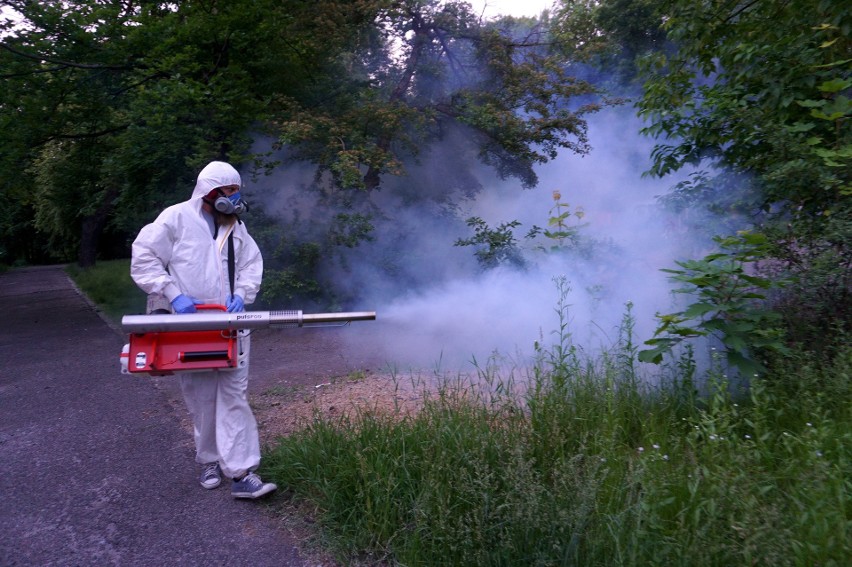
(559,231)
(498,246)
(495,245)
(563,356)
(728,305)
(357,376)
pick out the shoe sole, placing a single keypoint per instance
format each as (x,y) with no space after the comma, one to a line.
(211,486)
(266,489)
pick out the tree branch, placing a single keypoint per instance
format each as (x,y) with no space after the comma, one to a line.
(41,58)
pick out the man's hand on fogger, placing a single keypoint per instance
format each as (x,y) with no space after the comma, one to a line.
(185,304)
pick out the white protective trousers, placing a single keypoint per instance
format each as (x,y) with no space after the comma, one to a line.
(224,427)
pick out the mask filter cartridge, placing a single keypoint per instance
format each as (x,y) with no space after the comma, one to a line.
(233,205)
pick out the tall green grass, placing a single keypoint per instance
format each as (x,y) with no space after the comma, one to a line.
(580,462)
(108,284)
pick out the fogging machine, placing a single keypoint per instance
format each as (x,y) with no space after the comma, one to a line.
(209,339)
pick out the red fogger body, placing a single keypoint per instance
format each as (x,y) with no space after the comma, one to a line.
(211,339)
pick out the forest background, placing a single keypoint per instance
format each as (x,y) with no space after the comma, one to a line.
(695,160)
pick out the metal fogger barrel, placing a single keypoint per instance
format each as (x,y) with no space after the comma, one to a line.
(211,339)
(223,321)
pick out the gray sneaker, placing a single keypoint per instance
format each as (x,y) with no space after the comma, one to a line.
(251,486)
(211,476)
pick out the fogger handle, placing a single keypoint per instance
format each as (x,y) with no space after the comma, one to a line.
(233,321)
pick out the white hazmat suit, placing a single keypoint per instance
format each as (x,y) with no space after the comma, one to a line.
(178,254)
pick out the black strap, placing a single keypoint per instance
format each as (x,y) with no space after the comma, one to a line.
(231,261)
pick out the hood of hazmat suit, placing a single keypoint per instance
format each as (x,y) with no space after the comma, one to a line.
(179,254)
(215,174)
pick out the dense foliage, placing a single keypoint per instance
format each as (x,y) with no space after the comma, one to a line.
(110,108)
(755,98)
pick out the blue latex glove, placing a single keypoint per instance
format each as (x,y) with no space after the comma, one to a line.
(184,304)
(235,304)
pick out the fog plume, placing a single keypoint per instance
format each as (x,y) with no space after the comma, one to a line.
(435,304)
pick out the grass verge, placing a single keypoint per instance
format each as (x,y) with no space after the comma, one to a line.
(108,284)
(580,462)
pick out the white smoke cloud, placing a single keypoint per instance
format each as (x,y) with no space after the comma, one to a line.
(465,314)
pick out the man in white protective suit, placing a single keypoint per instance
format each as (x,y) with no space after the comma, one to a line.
(199,251)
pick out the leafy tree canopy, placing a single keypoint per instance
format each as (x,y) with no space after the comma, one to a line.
(110,108)
(757,88)
(611,35)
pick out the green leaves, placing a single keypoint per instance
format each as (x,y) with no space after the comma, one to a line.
(745,96)
(494,245)
(727,305)
(756,97)
(413,74)
(561,232)
(835,85)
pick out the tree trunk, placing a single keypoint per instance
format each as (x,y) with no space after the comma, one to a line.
(91,229)
(372,179)
(89,235)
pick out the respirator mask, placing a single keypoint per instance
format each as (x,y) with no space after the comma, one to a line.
(232,205)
